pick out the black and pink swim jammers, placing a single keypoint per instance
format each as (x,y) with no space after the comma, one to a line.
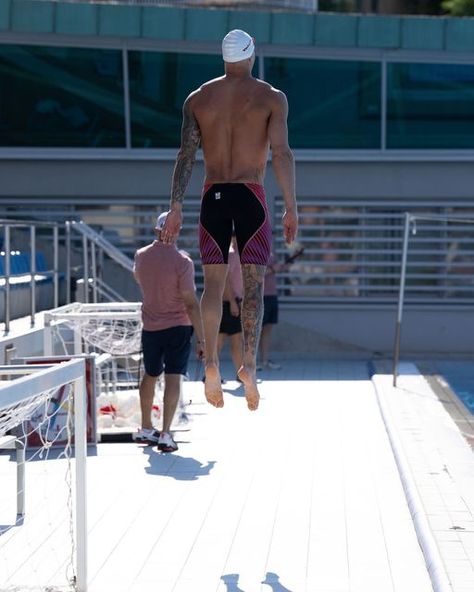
(234,206)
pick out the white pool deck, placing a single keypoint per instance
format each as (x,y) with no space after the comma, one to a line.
(303,495)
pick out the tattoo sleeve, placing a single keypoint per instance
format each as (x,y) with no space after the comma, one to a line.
(190,139)
(252,307)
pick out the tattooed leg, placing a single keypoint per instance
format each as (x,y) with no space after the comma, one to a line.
(252,314)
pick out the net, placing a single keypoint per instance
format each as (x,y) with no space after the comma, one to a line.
(37,535)
(16,414)
(112,332)
(113,328)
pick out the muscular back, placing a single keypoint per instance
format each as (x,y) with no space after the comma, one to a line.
(233,117)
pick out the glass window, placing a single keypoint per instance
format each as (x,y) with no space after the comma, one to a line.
(58,96)
(159,84)
(333,104)
(430,106)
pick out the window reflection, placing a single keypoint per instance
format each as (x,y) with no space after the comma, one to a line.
(333,103)
(430,106)
(61,97)
(159,84)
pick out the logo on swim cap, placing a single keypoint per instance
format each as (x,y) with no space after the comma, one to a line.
(160,221)
(237,45)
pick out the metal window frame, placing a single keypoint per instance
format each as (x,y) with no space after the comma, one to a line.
(383,56)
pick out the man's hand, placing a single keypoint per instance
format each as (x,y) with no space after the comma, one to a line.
(170,230)
(290,226)
(234,308)
(200,349)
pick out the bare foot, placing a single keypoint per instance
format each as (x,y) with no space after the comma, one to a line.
(212,386)
(250,385)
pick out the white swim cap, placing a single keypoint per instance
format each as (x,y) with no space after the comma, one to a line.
(160,221)
(237,45)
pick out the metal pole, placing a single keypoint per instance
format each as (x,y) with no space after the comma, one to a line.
(68,262)
(383,111)
(85,271)
(101,263)
(77,340)
(56,265)
(7,280)
(126,99)
(398,327)
(33,274)
(47,336)
(80,453)
(20,477)
(94,273)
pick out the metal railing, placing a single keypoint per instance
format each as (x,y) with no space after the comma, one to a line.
(352,248)
(11,225)
(94,247)
(411,223)
(352,252)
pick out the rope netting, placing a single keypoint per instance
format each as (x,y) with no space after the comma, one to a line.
(43,424)
(14,415)
(120,337)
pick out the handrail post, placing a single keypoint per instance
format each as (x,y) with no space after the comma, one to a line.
(47,336)
(68,261)
(94,272)
(56,264)
(7,279)
(101,263)
(33,274)
(85,271)
(401,295)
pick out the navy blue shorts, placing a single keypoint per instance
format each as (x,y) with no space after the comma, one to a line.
(230,325)
(166,350)
(270,310)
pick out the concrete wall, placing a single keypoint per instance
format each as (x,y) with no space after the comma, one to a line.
(336,332)
(128,179)
(359,332)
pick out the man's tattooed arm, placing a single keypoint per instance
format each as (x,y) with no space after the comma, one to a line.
(190,139)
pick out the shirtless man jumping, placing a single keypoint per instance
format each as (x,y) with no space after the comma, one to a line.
(236,118)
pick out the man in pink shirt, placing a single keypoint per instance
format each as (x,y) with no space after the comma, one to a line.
(170,311)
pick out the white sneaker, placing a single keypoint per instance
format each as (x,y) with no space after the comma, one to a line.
(272,366)
(146,436)
(166,443)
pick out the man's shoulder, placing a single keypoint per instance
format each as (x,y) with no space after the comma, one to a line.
(269,92)
(184,257)
(205,87)
(143,250)
(211,83)
(266,86)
